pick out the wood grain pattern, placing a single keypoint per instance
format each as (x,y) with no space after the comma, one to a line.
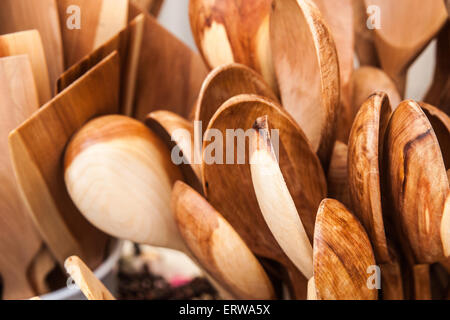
(218,247)
(234,31)
(337,177)
(342,255)
(364,39)
(418,182)
(367,80)
(86,280)
(229,186)
(307,70)
(19,240)
(438,94)
(398,42)
(391,281)
(100,20)
(275,201)
(225,82)
(29,43)
(177,132)
(37,149)
(365,170)
(42,15)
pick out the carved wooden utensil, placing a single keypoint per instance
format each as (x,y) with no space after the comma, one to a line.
(342,256)
(19,240)
(29,42)
(365,172)
(37,149)
(337,177)
(217,246)
(229,188)
(419,186)
(177,132)
(86,280)
(307,70)
(20,15)
(399,42)
(99,20)
(367,80)
(234,31)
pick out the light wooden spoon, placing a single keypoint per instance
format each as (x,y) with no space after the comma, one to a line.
(367,80)
(99,21)
(29,42)
(419,186)
(228,187)
(234,31)
(37,149)
(342,256)
(86,280)
(398,41)
(307,70)
(217,245)
(42,15)
(19,240)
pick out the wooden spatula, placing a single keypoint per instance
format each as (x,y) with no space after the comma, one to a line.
(217,246)
(99,21)
(19,240)
(399,41)
(229,187)
(342,255)
(21,15)
(307,70)
(86,280)
(29,43)
(37,149)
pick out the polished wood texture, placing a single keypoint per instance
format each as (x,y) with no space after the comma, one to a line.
(419,186)
(29,43)
(307,70)
(399,42)
(229,186)
(42,15)
(365,171)
(217,246)
(86,280)
(19,240)
(234,31)
(337,176)
(100,20)
(342,255)
(37,150)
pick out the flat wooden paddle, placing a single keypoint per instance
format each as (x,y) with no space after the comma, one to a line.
(42,15)
(19,240)
(307,69)
(29,43)
(37,149)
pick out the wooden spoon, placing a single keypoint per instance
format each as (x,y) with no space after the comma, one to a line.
(178,133)
(228,187)
(37,149)
(364,40)
(337,177)
(438,94)
(307,69)
(234,31)
(19,240)
(419,187)
(367,80)
(42,15)
(342,255)
(217,245)
(225,82)
(100,20)
(29,42)
(398,41)
(86,280)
